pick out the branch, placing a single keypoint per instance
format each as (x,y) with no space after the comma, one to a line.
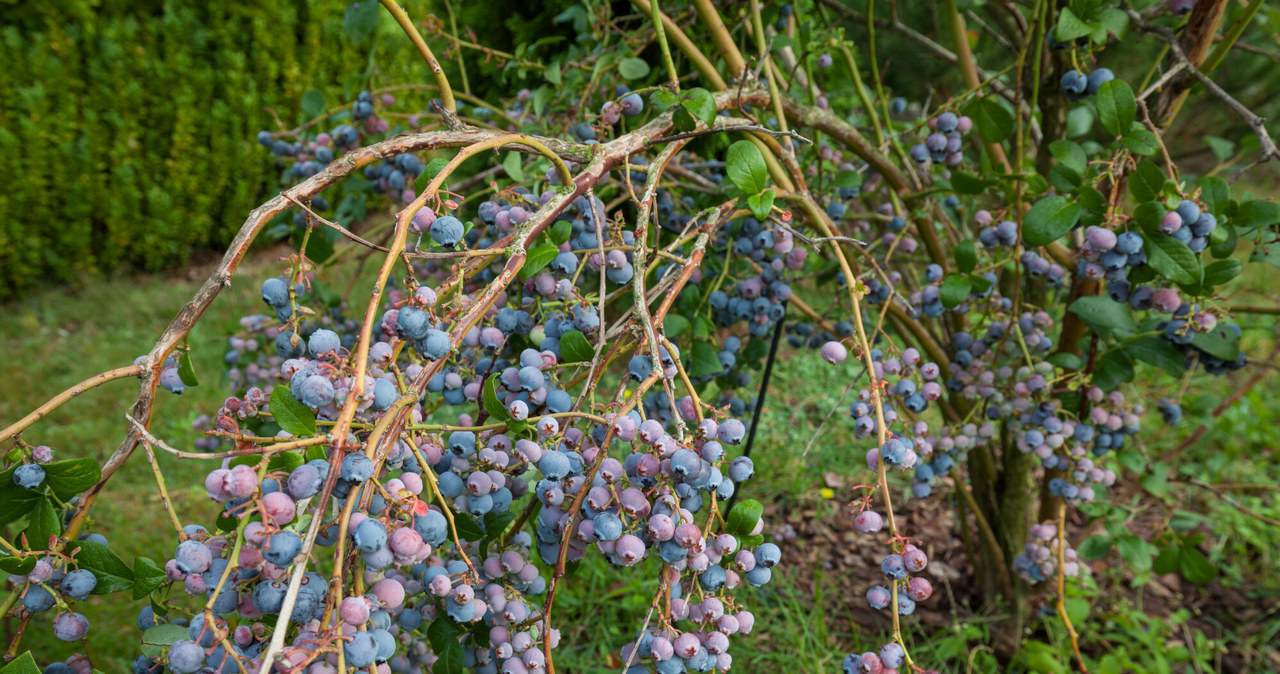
(446,91)
(1258,124)
(57,401)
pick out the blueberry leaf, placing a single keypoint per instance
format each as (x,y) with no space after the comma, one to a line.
(23,664)
(1116,106)
(744,517)
(71,477)
(745,167)
(112,573)
(43,524)
(290,414)
(1048,220)
(955,290)
(492,405)
(574,347)
(147,576)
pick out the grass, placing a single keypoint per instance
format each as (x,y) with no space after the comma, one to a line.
(57,338)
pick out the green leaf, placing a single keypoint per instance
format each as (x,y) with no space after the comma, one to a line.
(1112,369)
(450,655)
(361,20)
(761,204)
(489,398)
(113,574)
(1071,26)
(1048,220)
(1195,566)
(966,256)
(1113,21)
(17,566)
(955,290)
(43,525)
(1217,273)
(1172,258)
(1167,559)
(1064,179)
(674,325)
(186,370)
(1215,193)
(147,576)
(967,183)
(1116,106)
(1067,361)
(467,528)
(574,347)
(1147,181)
(494,525)
(537,259)
(848,180)
(1223,242)
(291,415)
(744,517)
(661,100)
(683,120)
(706,360)
(312,103)
(1266,251)
(429,173)
(1141,142)
(157,639)
(71,477)
(632,68)
(23,664)
(552,73)
(781,41)
(1095,547)
(1255,214)
(745,167)
(1219,343)
(1157,481)
(560,232)
(512,165)
(1135,551)
(979,284)
(15,501)
(1159,352)
(1071,155)
(701,104)
(994,122)
(1221,148)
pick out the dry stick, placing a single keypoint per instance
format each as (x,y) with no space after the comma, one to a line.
(1005,91)
(970,71)
(164,493)
(339,228)
(1061,603)
(1242,508)
(691,51)
(442,81)
(710,17)
(1258,124)
(58,400)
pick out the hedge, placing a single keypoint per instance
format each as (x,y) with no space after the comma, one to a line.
(127,128)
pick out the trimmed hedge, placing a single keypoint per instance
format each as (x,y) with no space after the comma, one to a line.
(127,128)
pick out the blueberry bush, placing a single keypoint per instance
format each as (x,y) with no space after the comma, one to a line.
(564,337)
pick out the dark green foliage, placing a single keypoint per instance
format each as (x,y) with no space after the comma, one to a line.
(128,128)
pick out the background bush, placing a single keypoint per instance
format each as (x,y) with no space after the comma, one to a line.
(128,127)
